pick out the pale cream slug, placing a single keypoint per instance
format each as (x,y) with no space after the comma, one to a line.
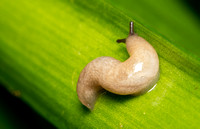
(134,76)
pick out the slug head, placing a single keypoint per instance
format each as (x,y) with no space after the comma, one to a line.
(130,40)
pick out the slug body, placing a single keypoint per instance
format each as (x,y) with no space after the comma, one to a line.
(134,76)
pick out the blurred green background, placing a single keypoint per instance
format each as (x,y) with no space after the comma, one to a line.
(40,35)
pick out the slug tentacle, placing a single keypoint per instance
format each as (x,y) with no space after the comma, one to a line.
(134,76)
(121,41)
(131,32)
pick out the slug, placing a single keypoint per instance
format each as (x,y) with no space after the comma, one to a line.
(134,76)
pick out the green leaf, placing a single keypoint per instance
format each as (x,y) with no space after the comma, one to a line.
(46,44)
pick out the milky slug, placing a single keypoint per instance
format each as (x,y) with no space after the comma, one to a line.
(134,76)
